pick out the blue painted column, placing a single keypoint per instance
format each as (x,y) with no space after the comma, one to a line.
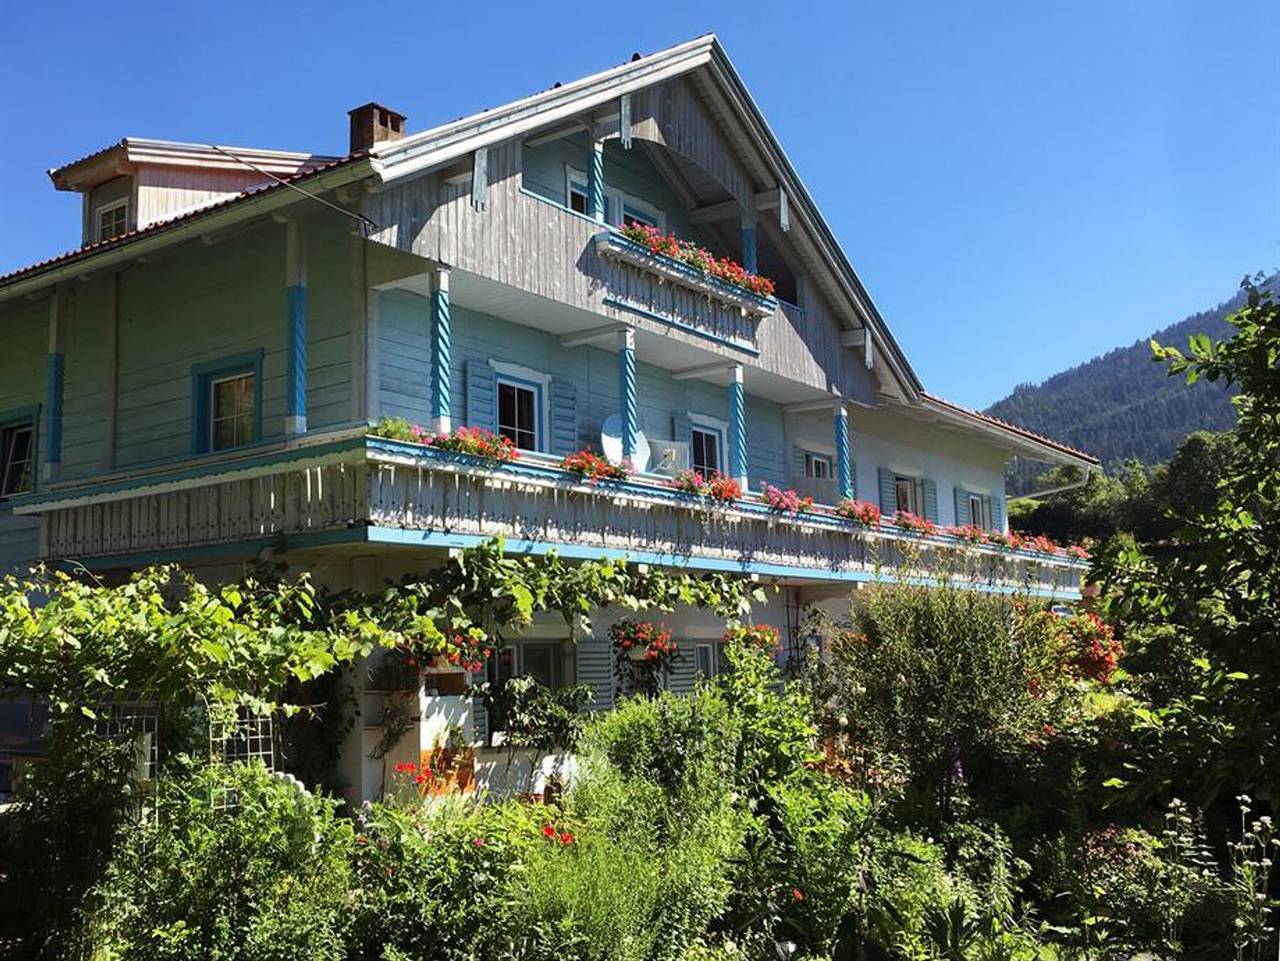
(844,465)
(441,341)
(53,391)
(595,179)
(749,258)
(295,395)
(627,394)
(738,427)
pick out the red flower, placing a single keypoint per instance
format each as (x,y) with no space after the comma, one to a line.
(406,767)
(797,894)
(549,832)
(566,837)
(478,842)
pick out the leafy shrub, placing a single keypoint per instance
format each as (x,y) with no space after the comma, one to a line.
(433,882)
(238,864)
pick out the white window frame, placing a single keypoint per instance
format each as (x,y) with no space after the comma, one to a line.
(213,408)
(711,425)
(812,457)
(715,650)
(616,201)
(518,372)
(983,517)
(121,204)
(916,480)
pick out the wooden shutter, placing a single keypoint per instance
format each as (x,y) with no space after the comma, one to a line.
(683,675)
(797,464)
(962,507)
(930,500)
(888,493)
(594,666)
(479,722)
(482,407)
(564,417)
(997,512)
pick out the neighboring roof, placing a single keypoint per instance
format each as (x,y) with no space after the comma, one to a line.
(162,226)
(119,157)
(946,407)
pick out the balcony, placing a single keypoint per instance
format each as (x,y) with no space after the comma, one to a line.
(353,489)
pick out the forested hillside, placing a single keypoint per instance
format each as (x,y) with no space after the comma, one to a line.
(1122,405)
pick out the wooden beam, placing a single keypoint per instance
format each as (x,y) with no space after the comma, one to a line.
(853,338)
(556,133)
(809,407)
(593,334)
(726,210)
(704,370)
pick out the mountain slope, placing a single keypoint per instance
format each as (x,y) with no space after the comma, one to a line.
(1123,405)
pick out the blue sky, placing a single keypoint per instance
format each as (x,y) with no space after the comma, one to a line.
(1020,185)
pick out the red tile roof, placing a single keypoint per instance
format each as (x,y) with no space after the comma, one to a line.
(89,250)
(1013,428)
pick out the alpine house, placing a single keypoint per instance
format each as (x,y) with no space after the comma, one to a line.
(627,262)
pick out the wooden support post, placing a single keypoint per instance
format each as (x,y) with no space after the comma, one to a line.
(595,178)
(52,447)
(844,463)
(738,427)
(627,394)
(441,341)
(749,258)
(295,398)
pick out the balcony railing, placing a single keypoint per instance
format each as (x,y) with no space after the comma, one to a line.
(372,490)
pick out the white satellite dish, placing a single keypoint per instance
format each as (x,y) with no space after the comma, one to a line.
(611,443)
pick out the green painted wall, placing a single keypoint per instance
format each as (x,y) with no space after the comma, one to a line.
(24,332)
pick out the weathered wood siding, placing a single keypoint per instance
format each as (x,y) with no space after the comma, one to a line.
(529,242)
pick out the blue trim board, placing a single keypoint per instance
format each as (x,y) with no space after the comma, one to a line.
(639,311)
(53,404)
(203,375)
(296,390)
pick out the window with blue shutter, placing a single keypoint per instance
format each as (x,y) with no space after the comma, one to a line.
(564,417)
(481,385)
(595,667)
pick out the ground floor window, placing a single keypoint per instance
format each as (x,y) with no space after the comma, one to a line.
(709,659)
(543,660)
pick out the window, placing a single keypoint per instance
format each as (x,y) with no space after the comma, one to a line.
(17,455)
(620,208)
(543,660)
(232,411)
(909,492)
(519,405)
(6,778)
(113,220)
(227,402)
(708,659)
(705,454)
(979,510)
(817,465)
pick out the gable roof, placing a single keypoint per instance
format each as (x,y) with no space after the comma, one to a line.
(431,149)
(416,153)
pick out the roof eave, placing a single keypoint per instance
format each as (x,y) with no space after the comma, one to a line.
(1021,442)
(159,236)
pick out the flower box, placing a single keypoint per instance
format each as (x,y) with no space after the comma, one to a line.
(625,250)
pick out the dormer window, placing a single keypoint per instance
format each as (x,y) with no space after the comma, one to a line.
(113,220)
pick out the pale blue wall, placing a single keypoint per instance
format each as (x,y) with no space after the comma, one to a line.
(405,357)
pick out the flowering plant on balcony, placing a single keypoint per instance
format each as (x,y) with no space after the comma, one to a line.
(643,652)
(969,533)
(699,258)
(786,501)
(592,467)
(1076,552)
(762,637)
(475,441)
(723,488)
(718,487)
(914,522)
(1010,539)
(865,513)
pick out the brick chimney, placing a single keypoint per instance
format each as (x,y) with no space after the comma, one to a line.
(372,124)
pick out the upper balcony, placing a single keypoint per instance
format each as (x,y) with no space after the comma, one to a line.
(350,489)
